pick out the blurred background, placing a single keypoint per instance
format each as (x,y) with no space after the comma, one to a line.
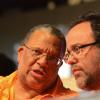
(18,16)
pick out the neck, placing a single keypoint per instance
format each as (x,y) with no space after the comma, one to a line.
(23,91)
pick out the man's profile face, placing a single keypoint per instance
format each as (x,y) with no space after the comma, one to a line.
(85,64)
(38,67)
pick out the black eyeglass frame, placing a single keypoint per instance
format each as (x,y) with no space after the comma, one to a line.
(86,45)
(81,46)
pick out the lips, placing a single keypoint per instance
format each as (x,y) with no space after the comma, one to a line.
(76,70)
(39,72)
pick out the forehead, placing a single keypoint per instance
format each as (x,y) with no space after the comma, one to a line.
(44,40)
(81,33)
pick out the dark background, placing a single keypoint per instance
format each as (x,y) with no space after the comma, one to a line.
(18,16)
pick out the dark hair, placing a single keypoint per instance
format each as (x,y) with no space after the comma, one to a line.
(94,18)
(50,30)
(7,66)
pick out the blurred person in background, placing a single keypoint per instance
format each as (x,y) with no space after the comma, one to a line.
(7,66)
(83,50)
(39,59)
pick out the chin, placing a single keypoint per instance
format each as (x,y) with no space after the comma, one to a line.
(81,83)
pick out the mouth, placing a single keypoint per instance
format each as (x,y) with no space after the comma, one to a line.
(38,74)
(76,71)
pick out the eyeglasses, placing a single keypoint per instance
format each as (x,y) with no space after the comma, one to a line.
(38,53)
(77,49)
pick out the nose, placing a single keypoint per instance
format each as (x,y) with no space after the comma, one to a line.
(72,59)
(42,61)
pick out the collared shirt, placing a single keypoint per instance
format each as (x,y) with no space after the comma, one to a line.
(7,89)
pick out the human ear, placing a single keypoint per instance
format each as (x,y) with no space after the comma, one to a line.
(20,53)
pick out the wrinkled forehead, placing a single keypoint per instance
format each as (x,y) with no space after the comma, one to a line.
(44,40)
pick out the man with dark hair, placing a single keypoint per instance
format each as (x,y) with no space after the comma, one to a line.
(39,58)
(83,50)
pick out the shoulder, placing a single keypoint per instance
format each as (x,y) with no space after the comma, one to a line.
(5,81)
(68,91)
(62,90)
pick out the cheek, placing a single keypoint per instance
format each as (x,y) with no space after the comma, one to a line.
(27,59)
(91,63)
(53,73)
(25,62)
(53,70)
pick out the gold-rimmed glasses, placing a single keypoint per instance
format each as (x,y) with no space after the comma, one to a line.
(38,53)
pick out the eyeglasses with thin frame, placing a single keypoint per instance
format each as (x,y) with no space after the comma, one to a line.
(38,53)
(77,49)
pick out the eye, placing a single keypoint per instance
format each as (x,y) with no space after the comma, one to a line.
(36,52)
(67,55)
(76,49)
(52,57)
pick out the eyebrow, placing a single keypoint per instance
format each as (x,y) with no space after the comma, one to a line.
(73,45)
(77,44)
(35,48)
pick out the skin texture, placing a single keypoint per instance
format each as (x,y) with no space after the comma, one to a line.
(86,65)
(30,68)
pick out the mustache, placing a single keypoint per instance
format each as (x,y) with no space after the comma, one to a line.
(76,67)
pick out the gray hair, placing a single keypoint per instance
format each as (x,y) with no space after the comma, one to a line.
(50,29)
